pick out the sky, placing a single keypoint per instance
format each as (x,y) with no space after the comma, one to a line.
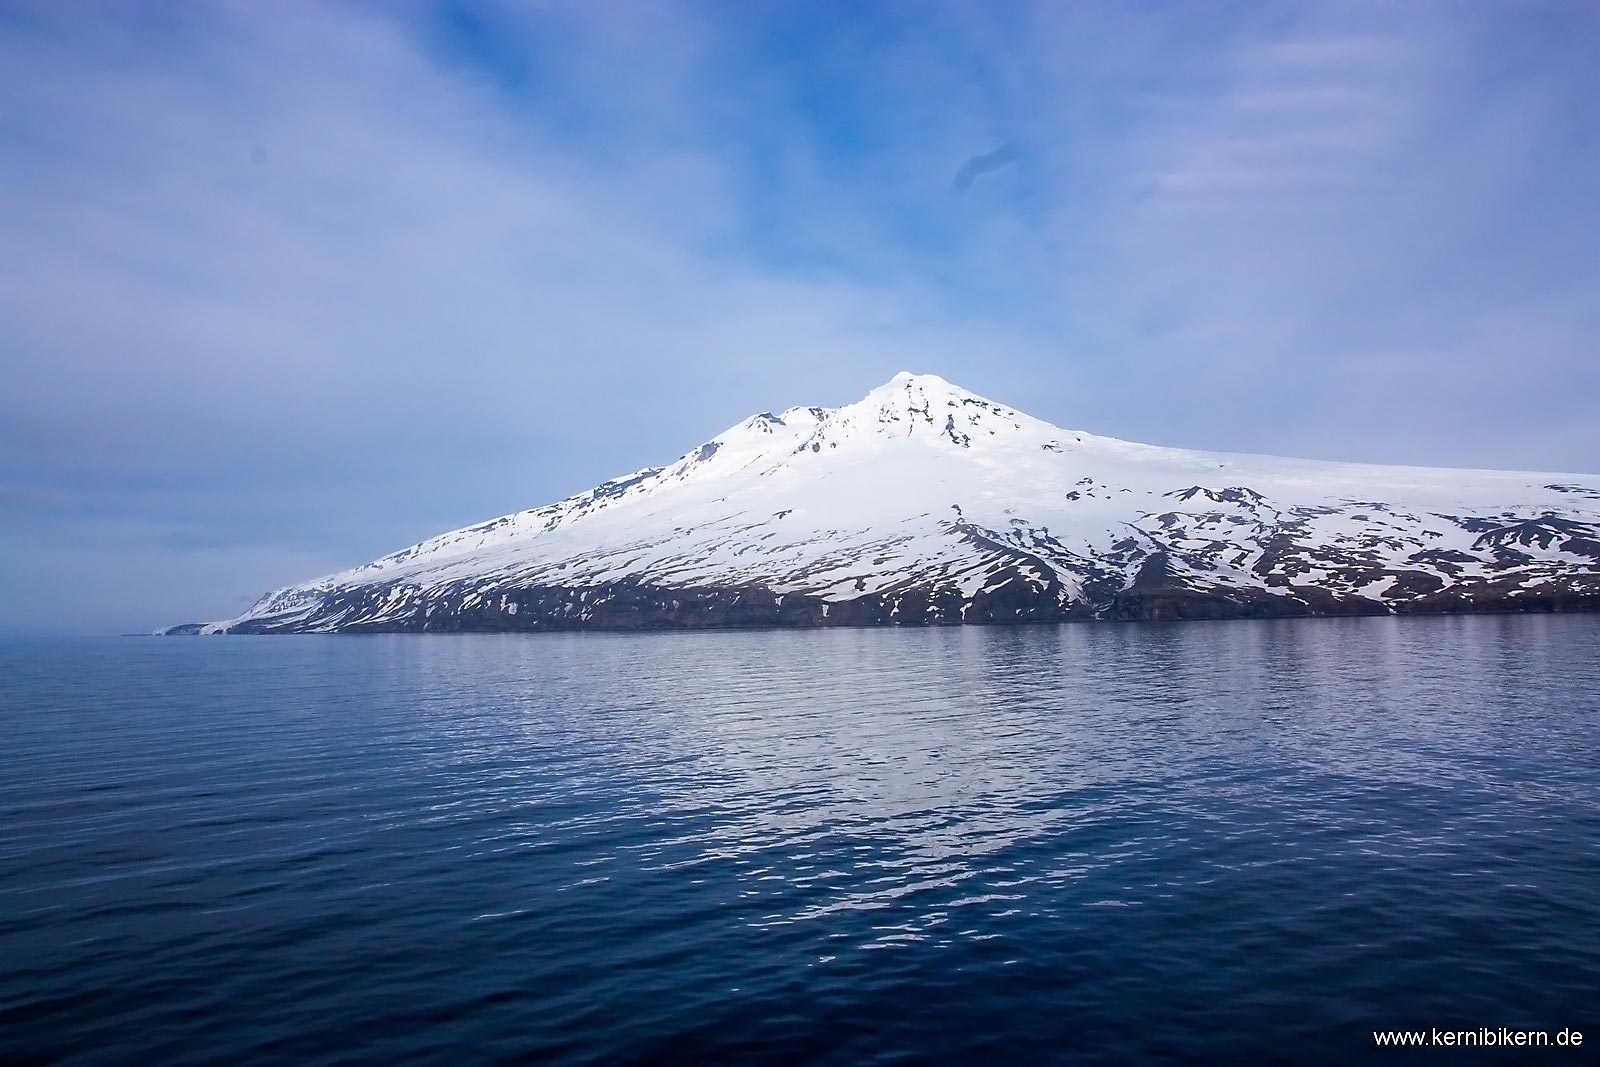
(286,286)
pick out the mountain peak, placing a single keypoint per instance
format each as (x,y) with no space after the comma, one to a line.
(919,391)
(924,407)
(904,376)
(926,382)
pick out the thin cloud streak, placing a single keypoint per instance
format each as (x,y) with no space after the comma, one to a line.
(986,163)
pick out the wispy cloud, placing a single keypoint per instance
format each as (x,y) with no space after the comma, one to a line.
(985,163)
(321,279)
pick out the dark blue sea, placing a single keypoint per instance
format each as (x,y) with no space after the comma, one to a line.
(1098,844)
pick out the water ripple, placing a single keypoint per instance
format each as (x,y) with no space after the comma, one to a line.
(1099,844)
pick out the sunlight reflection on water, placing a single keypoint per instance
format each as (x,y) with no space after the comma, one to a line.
(1158,842)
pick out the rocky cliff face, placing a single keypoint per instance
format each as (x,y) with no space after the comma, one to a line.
(925,504)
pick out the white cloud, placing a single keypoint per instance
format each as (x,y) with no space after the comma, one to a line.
(300,276)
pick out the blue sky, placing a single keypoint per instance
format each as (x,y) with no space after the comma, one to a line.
(287,286)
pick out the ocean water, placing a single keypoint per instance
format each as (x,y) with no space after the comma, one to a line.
(1224,842)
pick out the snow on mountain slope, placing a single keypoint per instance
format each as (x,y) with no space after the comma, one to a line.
(924,503)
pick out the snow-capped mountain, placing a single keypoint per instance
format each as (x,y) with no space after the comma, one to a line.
(923,503)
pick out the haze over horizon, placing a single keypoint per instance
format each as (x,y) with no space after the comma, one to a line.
(291,287)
